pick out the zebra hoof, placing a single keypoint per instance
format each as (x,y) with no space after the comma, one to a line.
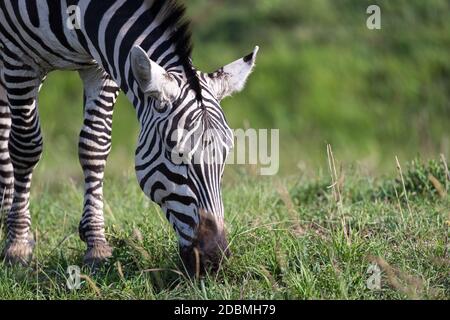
(97,255)
(19,252)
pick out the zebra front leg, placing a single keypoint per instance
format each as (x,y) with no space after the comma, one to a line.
(94,146)
(25,148)
(6,168)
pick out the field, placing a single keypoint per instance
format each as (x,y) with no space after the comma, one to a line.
(290,239)
(322,78)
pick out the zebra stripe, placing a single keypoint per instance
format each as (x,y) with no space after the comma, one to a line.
(143,48)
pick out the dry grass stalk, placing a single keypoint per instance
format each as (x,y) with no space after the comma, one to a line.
(293,213)
(269,278)
(92,284)
(337,181)
(161,269)
(197,263)
(137,235)
(410,285)
(108,210)
(281,257)
(399,205)
(447,174)
(334,177)
(399,168)
(243,287)
(437,185)
(140,249)
(58,246)
(120,270)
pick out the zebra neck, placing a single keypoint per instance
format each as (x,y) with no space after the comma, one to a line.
(115,26)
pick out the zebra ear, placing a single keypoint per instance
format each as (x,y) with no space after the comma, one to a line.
(153,80)
(232,78)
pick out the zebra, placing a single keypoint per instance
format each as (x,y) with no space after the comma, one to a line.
(142,48)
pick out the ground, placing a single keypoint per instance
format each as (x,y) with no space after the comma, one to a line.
(290,239)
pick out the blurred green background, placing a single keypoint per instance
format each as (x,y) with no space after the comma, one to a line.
(322,77)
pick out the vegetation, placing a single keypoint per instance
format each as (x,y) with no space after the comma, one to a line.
(316,249)
(322,78)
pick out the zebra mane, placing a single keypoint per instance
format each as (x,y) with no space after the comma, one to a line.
(173,15)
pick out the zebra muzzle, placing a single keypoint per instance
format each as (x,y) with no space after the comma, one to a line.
(208,251)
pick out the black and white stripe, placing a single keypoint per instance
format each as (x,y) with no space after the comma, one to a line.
(35,40)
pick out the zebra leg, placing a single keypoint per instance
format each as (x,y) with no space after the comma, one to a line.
(94,145)
(6,168)
(25,148)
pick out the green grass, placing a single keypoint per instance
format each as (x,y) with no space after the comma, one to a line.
(322,77)
(289,238)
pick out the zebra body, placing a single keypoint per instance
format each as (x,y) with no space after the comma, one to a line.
(141,47)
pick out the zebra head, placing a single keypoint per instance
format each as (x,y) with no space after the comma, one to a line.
(182,149)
